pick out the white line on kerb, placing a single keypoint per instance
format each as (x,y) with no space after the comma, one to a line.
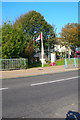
(54,81)
(3,88)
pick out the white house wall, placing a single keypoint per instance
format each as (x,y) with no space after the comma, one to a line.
(57,48)
(60,49)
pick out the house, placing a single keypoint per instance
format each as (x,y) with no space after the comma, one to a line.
(58,49)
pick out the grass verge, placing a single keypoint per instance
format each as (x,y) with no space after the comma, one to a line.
(38,64)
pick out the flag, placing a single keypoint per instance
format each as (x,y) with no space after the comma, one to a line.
(39,37)
(42,49)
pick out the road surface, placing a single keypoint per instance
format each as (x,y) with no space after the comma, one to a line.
(42,96)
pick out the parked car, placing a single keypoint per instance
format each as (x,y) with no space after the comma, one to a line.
(77,54)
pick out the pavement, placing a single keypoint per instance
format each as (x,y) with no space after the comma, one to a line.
(34,71)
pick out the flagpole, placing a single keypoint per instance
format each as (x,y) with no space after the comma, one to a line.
(42,49)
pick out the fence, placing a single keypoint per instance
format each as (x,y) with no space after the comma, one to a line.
(71,63)
(9,64)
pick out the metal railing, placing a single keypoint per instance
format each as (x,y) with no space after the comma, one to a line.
(9,64)
(71,63)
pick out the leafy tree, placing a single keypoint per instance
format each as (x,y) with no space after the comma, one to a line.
(69,36)
(78,35)
(32,24)
(7,46)
(29,52)
(12,41)
(18,37)
(0,43)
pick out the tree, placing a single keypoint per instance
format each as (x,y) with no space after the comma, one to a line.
(32,24)
(10,46)
(69,36)
(13,41)
(0,42)
(29,52)
(17,37)
(7,45)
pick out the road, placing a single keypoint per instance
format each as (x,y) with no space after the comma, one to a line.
(42,96)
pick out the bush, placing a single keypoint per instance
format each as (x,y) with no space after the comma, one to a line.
(35,64)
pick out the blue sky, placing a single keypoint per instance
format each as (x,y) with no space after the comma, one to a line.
(55,13)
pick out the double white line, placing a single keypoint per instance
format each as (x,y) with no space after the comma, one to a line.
(36,84)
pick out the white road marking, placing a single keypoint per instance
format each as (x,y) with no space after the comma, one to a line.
(54,81)
(3,88)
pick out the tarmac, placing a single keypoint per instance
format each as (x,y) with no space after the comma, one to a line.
(34,71)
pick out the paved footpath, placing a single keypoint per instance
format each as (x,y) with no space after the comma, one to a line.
(34,71)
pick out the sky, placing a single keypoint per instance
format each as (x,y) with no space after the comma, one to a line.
(55,13)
